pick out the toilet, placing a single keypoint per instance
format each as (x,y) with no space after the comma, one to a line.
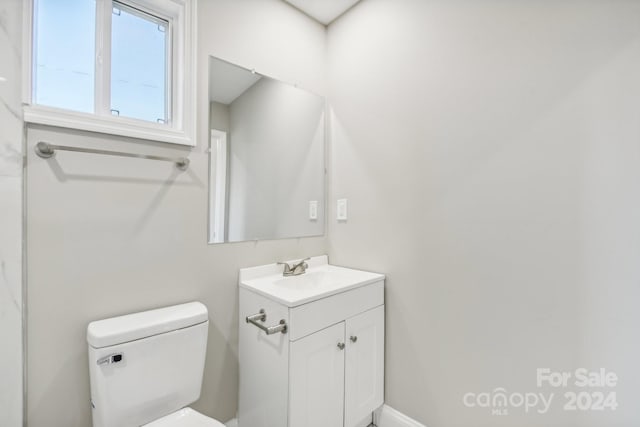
(145,368)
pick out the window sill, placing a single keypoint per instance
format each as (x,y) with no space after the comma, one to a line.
(111,126)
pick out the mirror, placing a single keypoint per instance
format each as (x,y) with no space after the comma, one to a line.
(266,157)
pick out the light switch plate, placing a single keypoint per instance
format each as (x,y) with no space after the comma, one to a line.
(313,210)
(341,210)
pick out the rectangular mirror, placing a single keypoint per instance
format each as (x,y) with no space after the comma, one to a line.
(266,157)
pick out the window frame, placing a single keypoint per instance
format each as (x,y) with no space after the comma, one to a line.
(180,77)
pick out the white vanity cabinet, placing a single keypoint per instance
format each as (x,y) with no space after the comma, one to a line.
(327,369)
(337,373)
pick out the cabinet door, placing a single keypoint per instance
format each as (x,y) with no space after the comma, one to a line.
(316,379)
(364,370)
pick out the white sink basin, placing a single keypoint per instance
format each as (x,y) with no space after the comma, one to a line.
(313,279)
(320,281)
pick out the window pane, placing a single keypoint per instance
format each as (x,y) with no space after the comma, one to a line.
(138,65)
(64,54)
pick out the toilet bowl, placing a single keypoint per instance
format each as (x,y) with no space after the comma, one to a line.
(146,368)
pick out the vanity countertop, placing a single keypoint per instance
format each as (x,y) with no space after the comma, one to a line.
(320,281)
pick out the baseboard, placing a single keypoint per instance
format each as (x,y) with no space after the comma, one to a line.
(386,416)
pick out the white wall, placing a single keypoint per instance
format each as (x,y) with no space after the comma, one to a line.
(489,151)
(276,162)
(11,141)
(219,116)
(108,236)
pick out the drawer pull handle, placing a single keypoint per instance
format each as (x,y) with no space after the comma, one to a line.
(353,338)
(341,345)
(269,330)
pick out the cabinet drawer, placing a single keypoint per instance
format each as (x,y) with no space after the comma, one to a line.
(309,318)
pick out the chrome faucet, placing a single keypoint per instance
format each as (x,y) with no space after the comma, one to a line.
(295,269)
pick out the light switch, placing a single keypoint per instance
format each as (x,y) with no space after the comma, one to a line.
(341,210)
(313,210)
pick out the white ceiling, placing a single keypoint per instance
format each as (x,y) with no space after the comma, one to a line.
(228,81)
(323,11)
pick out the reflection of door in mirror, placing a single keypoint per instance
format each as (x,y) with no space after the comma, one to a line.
(218,183)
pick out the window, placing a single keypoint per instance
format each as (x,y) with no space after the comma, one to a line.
(115,66)
(139,64)
(64,66)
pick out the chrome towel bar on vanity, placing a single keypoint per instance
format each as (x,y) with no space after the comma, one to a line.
(46,150)
(269,330)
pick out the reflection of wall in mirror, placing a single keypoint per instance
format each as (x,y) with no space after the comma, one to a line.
(276,161)
(219,121)
(219,116)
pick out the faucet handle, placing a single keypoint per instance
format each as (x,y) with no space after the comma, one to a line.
(299,263)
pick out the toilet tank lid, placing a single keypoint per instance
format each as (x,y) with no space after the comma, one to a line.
(131,327)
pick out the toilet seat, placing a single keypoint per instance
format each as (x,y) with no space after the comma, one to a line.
(185,417)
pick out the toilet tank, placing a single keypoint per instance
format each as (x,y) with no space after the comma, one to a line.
(146,365)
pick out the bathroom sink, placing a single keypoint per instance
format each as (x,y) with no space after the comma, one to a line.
(320,281)
(309,280)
